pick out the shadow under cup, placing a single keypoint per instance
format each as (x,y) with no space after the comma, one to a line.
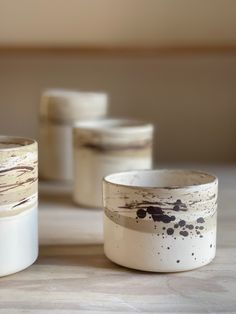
(160,220)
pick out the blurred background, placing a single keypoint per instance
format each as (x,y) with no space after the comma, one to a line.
(171,62)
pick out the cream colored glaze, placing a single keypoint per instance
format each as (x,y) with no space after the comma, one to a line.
(18,173)
(104,147)
(160,220)
(59,111)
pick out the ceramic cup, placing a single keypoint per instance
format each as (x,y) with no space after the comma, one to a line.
(18,204)
(59,111)
(160,220)
(107,146)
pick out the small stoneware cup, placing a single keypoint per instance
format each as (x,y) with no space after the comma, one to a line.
(160,220)
(106,146)
(18,204)
(59,111)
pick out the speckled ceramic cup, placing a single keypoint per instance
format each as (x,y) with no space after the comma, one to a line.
(106,146)
(59,111)
(160,220)
(18,204)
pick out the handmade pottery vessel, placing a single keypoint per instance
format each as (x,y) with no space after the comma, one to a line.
(18,204)
(160,220)
(106,146)
(59,111)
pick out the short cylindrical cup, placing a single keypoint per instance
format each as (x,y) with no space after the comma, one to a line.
(160,220)
(18,204)
(107,146)
(59,111)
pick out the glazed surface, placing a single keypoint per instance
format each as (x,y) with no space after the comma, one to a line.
(18,176)
(170,220)
(99,152)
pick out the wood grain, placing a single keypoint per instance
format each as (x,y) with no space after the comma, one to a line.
(72,273)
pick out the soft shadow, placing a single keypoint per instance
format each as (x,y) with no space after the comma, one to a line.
(82,255)
(56,198)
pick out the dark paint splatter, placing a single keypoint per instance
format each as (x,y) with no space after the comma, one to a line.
(154,210)
(141,213)
(182,223)
(190,227)
(176,208)
(17,168)
(22,202)
(184,233)
(200,220)
(163,218)
(170,231)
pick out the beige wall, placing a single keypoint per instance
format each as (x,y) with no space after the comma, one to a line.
(192,100)
(117,22)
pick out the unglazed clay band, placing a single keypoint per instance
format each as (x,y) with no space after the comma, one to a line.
(174,211)
(103,148)
(176,227)
(114,138)
(18,175)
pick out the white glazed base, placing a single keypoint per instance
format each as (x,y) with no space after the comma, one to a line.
(18,241)
(147,251)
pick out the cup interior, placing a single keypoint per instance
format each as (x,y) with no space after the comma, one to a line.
(160,178)
(9,142)
(110,125)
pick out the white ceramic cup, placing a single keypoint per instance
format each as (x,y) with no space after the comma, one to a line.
(160,220)
(18,204)
(106,146)
(59,111)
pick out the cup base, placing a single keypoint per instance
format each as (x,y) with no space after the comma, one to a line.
(156,270)
(149,252)
(18,241)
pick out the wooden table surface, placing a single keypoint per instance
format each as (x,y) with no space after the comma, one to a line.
(72,274)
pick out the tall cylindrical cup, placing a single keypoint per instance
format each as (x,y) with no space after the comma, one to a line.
(18,204)
(107,146)
(59,111)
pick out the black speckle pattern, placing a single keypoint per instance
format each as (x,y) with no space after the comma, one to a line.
(170,231)
(172,223)
(182,223)
(200,220)
(184,233)
(141,213)
(159,214)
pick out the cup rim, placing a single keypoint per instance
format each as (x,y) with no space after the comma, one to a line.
(58,92)
(20,142)
(112,125)
(212,179)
